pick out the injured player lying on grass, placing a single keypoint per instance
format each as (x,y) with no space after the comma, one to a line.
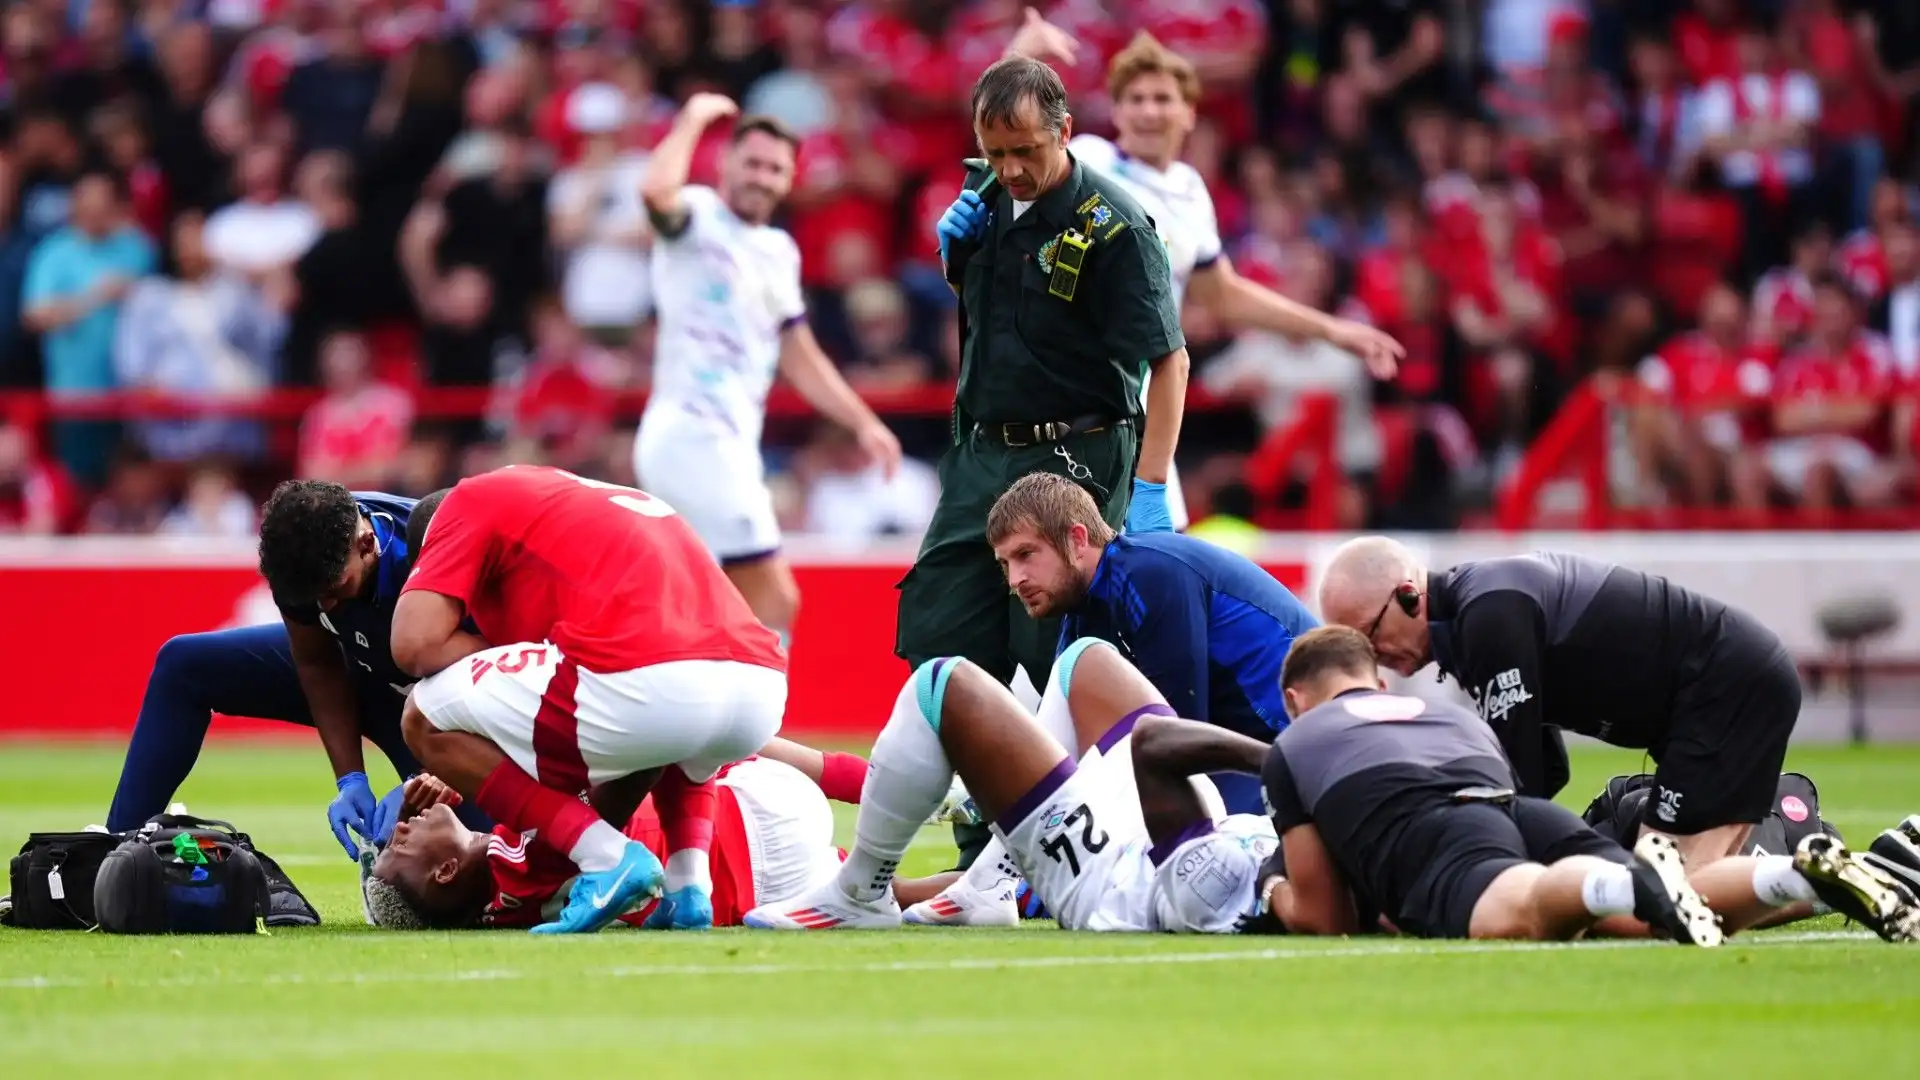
(773,840)
(1120,839)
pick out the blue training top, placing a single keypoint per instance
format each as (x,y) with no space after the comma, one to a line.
(363,625)
(1207,627)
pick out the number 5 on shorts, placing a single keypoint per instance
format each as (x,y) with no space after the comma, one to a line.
(510,665)
(1059,847)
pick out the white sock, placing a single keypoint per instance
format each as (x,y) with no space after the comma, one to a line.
(1053,713)
(1608,890)
(907,776)
(1777,883)
(599,848)
(993,865)
(690,866)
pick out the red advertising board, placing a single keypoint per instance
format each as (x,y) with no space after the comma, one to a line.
(82,626)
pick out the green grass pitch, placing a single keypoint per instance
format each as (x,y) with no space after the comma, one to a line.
(342,1000)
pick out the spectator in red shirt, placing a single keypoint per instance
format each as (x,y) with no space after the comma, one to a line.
(1704,408)
(1694,235)
(1849,111)
(564,406)
(1224,41)
(580,56)
(1506,308)
(844,194)
(36,496)
(1862,258)
(1759,126)
(353,435)
(1379,273)
(1783,298)
(915,80)
(1707,40)
(1834,417)
(1592,202)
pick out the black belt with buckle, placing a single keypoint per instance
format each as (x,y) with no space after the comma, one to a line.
(1047,431)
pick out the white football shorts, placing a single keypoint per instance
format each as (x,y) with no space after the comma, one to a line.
(717,482)
(571,729)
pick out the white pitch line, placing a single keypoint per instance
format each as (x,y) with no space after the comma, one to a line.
(984,963)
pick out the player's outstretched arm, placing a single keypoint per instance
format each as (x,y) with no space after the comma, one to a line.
(426,637)
(1166,751)
(667,168)
(813,374)
(1241,303)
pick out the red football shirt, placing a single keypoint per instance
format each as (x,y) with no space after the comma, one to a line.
(609,574)
(1864,371)
(1863,259)
(1725,389)
(1783,304)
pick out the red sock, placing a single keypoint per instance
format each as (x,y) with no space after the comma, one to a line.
(686,810)
(514,799)
(842,776)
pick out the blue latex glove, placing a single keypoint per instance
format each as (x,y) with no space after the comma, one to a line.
(966,219)
(387,814)
(1148,512)
(351,809)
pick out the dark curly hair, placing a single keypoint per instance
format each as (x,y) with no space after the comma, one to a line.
(306,536)
(420,518)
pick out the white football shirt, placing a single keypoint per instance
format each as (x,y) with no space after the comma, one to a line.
(1176,197)
(724,290)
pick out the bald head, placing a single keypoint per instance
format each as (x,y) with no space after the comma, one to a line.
(1362,574)
(1358,591)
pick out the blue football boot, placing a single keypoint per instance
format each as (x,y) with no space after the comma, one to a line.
(688,907)
(599,898)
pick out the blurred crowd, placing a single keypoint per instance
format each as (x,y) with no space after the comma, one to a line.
(1707,205)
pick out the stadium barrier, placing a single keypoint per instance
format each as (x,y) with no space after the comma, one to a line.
(1571,475)
(84,617)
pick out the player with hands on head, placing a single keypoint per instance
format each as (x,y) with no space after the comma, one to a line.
(732,317)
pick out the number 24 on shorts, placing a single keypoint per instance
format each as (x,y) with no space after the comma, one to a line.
(1059,846)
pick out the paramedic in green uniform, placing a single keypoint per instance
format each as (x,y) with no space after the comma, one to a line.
(1066,303)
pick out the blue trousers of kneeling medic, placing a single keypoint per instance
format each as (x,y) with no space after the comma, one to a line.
(246,671)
